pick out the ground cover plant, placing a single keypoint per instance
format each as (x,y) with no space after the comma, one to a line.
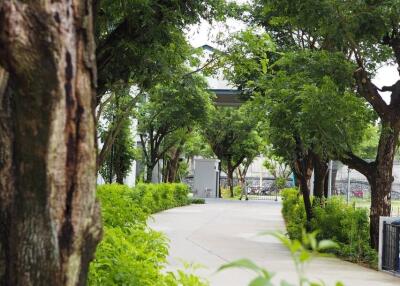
(344,224)
(131,253)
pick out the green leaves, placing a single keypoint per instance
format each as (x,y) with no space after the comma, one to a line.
(345,225)
(263,276)
(131,253)
(233,135)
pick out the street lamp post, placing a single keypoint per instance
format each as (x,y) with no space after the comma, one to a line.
(348,184)
(330,179)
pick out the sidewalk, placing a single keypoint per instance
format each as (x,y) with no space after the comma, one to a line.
(222,231)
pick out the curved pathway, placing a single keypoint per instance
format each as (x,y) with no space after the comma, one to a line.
(222,231)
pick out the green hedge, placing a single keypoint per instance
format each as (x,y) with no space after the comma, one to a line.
(130,252)
(335,220)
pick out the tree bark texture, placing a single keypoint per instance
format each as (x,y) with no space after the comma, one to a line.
(173,165)
(49,220)
(230,170)
(149,173)
(303,168)
(320,172)
(379,175)
(381,179)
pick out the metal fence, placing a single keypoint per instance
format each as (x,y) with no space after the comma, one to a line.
(360,193)
(391,241)
(258,188)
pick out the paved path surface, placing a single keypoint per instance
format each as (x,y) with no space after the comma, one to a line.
(222,231)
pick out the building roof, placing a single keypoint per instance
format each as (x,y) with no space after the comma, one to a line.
(227,97)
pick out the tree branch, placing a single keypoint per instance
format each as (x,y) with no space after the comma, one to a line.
(112,134)
(102,105)
(356,163)
(370,92)
(207,64)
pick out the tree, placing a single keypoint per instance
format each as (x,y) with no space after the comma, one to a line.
(119,161)
(297,93)
(114,129)
(312,119)
(278,168)
(171,109)
(233,137)
(50,223)
(112,116)
(142,44)
(148,34)
(189,143)
(368,32)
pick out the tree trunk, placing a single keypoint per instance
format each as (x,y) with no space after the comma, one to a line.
(379,175)
(305,190)
(149,173)
(230,178)
(173,165)
(381,180)
(50,223)
(320,171)
(303,171)
(119,172)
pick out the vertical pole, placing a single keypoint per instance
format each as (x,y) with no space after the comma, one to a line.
(330,179)
(384,247)
(397,252)
(348,185)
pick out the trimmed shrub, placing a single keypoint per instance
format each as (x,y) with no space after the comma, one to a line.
(335,220)
(293,212)
(198,201)
(131,253)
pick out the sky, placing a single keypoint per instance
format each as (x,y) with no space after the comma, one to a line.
(206,33)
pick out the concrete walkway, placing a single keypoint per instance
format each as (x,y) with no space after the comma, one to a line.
(222,231)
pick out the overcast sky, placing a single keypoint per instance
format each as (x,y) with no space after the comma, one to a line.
(205,33)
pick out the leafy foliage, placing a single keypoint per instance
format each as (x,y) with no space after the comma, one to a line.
(233,137)
(308,99)
(345,26)
(198,201)
(335,220)
(121,156)
(130,252)
(169,114)
(278,169)
(142,42)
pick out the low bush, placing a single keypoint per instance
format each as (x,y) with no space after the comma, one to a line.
(198,201)
(237,191)
(225,193)
(335,220)
(293,212)
(131,253)
(158,197)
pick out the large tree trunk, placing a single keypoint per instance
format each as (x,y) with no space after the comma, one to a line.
(48,216)
(381,179)
(173,165)
(379,175)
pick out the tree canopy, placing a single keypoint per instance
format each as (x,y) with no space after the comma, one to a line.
(142,42)
(233,137)
(169,109)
